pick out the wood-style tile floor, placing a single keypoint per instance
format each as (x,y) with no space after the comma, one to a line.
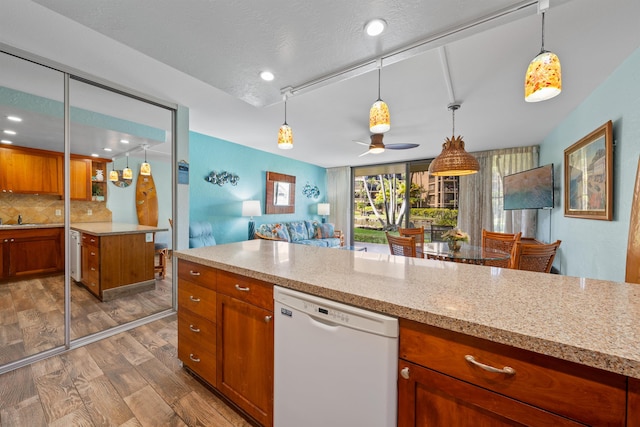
(130,379)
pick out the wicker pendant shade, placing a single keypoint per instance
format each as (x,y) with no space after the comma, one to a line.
(454,160)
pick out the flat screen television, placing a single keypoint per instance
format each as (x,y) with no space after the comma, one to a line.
(530,189)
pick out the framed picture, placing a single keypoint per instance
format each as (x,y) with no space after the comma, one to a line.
(588,176)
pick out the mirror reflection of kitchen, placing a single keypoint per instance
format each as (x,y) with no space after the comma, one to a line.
(105,126)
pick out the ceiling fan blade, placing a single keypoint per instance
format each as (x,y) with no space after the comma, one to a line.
(361,143)
(401,146)
(365,153)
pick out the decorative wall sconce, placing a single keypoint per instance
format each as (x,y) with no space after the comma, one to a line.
(312,192)
(222,178)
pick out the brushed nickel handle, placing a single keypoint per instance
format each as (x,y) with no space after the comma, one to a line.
(93,269)
(268,318)
(242,288)
(404,373)
(506,370)
(93,254)
(194,273)
(194,329)
(194,299)
(195,359)
(13,240)
(93,240)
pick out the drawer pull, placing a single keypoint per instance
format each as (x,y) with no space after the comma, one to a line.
(93,254)
(194,299)
(267,319)
(242,288)
(194,329)
(194,273)
(506,370)
(195,359)
(404,373)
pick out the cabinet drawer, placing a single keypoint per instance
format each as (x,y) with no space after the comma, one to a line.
(90,240)
(197,299)
(246,289)
(198,329)
(197,273)
(197,357)
(578,392)
(92,282)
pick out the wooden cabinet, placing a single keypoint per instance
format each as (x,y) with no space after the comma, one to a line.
(438,382)
(80,183)
(98,187)
(117,264)
(197,319)
(30,171)
(229,317)
(32,251)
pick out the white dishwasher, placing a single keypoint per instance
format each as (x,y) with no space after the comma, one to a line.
(334,364)
(75,249)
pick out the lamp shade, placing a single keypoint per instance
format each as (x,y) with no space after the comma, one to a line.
(454,160)
(113,175)
(379,119)
(127,173)
(285,137)
(251,208)
(543,79)
(323,208)
(145,169)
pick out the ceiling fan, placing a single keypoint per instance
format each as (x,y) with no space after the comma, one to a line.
(377,146)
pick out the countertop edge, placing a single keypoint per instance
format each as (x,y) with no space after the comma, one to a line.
(582,356)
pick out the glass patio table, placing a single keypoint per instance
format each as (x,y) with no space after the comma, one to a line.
(467,254)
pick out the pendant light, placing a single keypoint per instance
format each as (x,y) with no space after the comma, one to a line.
(145,168)
(379,119)
(454,160)
(113,175)
(285,134)
(543,79)
(126,172)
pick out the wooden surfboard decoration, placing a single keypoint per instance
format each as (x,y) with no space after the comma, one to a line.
(633,247)
(146,200)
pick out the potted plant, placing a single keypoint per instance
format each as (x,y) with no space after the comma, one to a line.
(454,238)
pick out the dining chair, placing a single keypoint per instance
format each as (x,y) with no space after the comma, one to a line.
(534,257)
(405,246)
(416,233)
(502,242)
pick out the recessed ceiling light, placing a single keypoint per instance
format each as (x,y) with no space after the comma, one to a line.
(94,155)
(124,141)
(375,27)
(14,118)
(9,132)
(6,141)
(267,76)
(107,149)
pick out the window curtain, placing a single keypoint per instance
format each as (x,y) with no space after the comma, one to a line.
(480,197)
(339,197)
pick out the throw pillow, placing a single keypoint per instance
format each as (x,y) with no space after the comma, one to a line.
(326,230)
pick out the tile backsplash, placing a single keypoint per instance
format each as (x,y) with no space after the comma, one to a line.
(41,209)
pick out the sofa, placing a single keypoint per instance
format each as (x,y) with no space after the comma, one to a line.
(303,232)
(201,234)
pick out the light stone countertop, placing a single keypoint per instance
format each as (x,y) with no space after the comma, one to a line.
(591,322)
(111,228)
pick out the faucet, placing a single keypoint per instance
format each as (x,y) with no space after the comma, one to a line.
(19,219)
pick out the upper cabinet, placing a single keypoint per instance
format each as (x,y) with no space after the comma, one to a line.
(80,182)
(30,171)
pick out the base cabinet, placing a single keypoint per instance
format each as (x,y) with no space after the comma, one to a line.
(31,251)
(225,335)
(450,379)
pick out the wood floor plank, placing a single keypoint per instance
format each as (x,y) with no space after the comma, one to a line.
(151,410)
(17,386)
(46,366)
(78,418)
(168,385)
(125,378)
(131,349)
(58,395)
(27,413)
(80,364)
(103,403)
(196,412)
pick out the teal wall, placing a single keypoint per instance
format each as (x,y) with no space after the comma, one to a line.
(222,205)
(592,248)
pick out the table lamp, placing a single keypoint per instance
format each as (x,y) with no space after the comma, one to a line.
(323,210)
(251,208)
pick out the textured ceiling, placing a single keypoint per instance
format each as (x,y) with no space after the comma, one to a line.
(206,55)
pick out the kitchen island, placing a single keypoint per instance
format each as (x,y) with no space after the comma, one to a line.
(117,258)
(564,324)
